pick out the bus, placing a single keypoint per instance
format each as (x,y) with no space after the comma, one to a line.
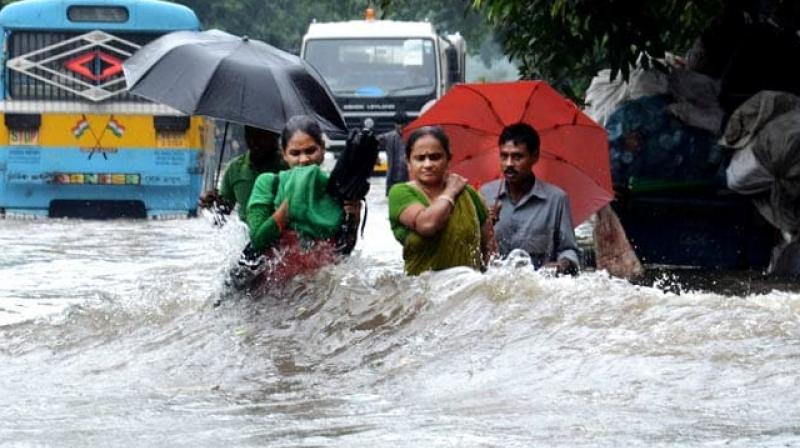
(73,141)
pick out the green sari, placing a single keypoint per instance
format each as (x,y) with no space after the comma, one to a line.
(457,244)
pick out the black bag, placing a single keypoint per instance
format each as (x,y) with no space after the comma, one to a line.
(349,180)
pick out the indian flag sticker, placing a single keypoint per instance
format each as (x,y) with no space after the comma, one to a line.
(115,127)
(80,127)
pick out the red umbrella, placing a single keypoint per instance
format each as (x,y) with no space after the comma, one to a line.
(574,149)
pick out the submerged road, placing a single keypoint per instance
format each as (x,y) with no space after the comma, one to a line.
(108,337)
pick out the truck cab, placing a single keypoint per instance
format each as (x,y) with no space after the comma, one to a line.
(379,68)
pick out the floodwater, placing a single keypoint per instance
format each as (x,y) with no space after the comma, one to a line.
(109,337)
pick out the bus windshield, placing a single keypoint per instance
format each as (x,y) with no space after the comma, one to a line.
(375,67)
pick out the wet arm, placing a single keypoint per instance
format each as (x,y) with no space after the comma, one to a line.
(352,210)
(568,245)
(485,217)
(226,191)
(427,221)
(264,221)
(488,243)
(264,229)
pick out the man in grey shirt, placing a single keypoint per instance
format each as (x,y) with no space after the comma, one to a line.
(395,148)
(530,214)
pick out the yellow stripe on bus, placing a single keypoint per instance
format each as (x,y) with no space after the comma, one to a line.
(105,131)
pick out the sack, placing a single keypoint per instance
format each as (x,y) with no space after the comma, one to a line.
(696,102)
(746,175)
(612,248)
(349,180)
(749,118)
(605,95)
(777,148)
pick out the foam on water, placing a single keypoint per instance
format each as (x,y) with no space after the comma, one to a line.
(109,337)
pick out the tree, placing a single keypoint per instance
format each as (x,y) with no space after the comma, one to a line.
(282,23)
(447,15)
(567,41)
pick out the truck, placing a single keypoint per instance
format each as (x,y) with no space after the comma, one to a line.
(383,69)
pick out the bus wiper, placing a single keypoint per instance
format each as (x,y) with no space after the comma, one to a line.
(403,89)
(362,91)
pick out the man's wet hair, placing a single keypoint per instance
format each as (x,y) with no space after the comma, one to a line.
(520,134)
(435,132)
(302,123)
(261,139)
(401,118)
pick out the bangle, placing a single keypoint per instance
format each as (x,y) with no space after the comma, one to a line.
(448,199)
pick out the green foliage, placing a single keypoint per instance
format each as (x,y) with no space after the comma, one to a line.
(283,22)
(449,16)
(567,41)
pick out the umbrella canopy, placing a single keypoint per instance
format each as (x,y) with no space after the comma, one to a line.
(573,152)
(233,78)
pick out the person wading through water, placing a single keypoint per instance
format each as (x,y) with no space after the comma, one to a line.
(440,220)
(296,223)
(263,155)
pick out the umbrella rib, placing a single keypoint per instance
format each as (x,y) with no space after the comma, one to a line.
(556,126)
(212,73)
(488,103)
(466,126)
(219,62)
(528,102)
(550,155)
(559,159)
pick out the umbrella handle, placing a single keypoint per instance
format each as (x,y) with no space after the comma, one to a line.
(221,154)
(497,201)
(499,190)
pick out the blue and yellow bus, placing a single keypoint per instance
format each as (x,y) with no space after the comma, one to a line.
(73,142)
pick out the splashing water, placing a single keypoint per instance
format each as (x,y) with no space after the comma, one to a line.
(108,337)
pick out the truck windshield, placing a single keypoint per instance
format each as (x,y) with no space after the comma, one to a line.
(374,67)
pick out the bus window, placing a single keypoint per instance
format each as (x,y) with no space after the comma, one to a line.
(106,14)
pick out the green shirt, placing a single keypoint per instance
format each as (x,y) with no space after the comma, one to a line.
(457,244)
(240,175)
(313,213)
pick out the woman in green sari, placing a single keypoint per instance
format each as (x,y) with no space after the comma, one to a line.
(439,219)
(292,217)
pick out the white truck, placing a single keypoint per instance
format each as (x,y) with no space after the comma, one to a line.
(381,69)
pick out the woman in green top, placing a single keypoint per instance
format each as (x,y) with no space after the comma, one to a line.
(292,211)
(438,218)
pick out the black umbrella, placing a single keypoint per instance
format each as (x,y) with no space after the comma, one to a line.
(233,78)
